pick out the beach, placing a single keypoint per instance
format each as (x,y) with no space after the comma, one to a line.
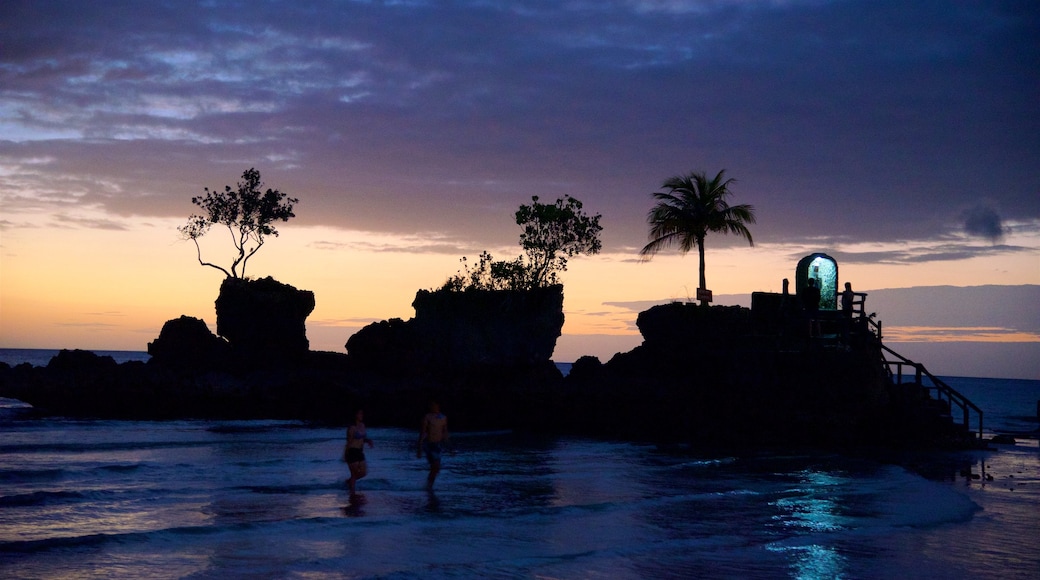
(236,499)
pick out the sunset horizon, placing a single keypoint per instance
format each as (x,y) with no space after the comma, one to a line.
(879,134)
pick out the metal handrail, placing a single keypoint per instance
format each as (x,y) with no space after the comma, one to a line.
(953,397)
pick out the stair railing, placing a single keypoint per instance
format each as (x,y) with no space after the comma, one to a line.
(943,391)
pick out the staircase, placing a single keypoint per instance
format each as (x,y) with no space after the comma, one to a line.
(943,399)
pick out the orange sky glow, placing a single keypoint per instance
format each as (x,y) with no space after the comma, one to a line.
(112,289)
(897,144)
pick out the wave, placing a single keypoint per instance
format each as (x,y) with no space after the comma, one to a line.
(257,427)
(106,446)
(120,468)
(30,546)
(96,447)
(92,540)
(21,475)
(40,498)
(300,489)
(702,463)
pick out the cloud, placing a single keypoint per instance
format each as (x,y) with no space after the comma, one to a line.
(402,245)
(983,221)
(341,322)
(88,325)
(1012,308)
(918,254)
(63,220)
(873,120)
(958,334)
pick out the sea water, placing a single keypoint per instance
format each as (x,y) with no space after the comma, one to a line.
(267,499)
(39,357)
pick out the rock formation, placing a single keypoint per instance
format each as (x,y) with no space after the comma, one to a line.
(459,330)
(486,354)
(186,343)
(264,320)
(719,377)
(701,376)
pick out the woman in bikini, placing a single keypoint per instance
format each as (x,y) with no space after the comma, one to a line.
(354,453)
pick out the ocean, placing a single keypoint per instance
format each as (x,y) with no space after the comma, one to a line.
(267,499)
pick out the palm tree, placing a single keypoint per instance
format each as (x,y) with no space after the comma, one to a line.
(692,207)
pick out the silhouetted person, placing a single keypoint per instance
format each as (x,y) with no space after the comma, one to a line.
(811,296)
(811,304)
(789,305)
(354,453)
(847,298)
(433,435)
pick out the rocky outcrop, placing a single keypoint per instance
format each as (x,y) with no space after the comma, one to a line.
(187,344)
(706,376)
(464,330)
(693,326)
(702,376)
(82,384)
(484,354)
(264,320)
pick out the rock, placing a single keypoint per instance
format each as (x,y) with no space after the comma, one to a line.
(460,330)
(587,368)
(186,343)
(491,327)
(486,355)
(704,376)
(694,326)
(80,361)
(264,320)
(387,345)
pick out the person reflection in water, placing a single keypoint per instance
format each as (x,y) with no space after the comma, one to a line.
(354,453)
(433,435)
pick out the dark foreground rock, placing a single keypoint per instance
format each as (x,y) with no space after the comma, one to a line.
(703,376)
(186,343)
(485,355)
(264,321)
(454,331)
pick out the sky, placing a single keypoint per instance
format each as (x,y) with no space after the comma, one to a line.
(903,139)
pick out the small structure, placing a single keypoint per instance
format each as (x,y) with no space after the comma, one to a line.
(824,270)
(779,321)
(785,315)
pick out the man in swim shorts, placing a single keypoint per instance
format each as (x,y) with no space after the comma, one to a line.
(433,434)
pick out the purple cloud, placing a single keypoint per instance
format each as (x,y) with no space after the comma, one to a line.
(871,121)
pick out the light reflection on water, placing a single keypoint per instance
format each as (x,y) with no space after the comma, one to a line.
(166,500)
(814,562)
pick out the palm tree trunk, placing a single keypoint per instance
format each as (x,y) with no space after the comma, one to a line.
(700,251)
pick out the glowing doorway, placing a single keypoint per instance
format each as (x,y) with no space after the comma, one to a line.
(824,270)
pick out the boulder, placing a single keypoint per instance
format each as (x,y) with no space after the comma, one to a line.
(695,326)
(387,344)
(81,362)
(186,343)
(264,320)
(460,330)
(490,327)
